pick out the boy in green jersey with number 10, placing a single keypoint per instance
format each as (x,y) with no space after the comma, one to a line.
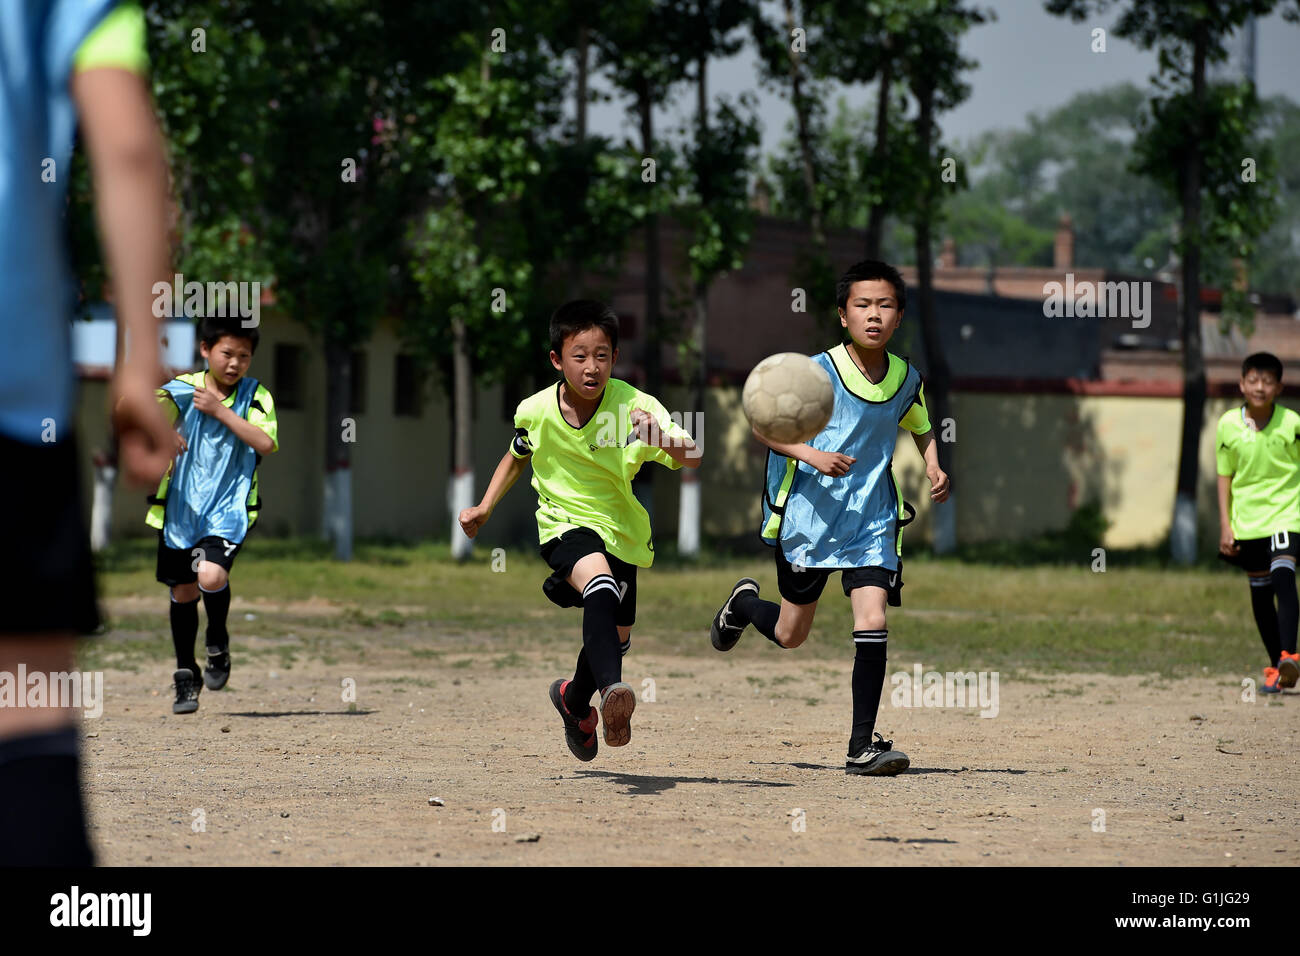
(587,436)
(1258,457)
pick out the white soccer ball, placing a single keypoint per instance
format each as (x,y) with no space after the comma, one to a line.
(788,398)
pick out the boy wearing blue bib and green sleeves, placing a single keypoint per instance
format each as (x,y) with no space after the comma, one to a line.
(208,501)
(831,504)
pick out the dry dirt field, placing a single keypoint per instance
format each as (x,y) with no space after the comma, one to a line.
(736,761)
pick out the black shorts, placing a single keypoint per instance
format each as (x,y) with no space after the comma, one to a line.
(46,567)
(181,565)
(1257,554)
(804,586)
(568,549)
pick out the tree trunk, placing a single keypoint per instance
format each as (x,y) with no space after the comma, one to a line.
(338,454)
(688,512)
(943,522)
(1182,541)
(573,282)
(643,484)
(580,96)
(805,141)
(879,156)
(461,492)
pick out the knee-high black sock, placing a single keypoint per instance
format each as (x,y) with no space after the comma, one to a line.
(600,631)
(577,695)
(185,627)
(217,604)
(1288,608)
(42,821)
(752,609)
(868,681)
(1261,602)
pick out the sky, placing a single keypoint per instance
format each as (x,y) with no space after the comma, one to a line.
(1029,61)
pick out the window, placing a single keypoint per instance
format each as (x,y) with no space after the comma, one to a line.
(287,372)
(406,389)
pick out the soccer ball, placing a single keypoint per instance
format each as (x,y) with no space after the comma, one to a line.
(788,398)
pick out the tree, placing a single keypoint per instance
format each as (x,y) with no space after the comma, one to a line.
(715,209)
(1194,131)
(469,256)
(932,63)
(1075,159)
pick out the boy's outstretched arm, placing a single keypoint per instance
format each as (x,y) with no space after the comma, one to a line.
(682,450)
(925,444)
(829,463)
(129,167)
(508,471)
(1227,543)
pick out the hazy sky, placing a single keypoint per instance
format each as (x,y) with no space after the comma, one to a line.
(1028,61)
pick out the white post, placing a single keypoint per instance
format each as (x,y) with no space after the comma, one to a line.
(688,515)
(101,509)
(460,495)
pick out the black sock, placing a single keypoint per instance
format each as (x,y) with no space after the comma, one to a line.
(577,695)
(217,604)
(185,627)
(1261,602)
(42,821)
(751,609)
(1288,608)
(868,681)
(600,631)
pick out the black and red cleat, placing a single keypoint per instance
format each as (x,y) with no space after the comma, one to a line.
(580,735)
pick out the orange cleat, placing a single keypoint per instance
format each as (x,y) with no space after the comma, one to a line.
(1288,670)
(1270,682)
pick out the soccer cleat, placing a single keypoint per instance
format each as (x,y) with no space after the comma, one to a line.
(187,691)
(617,701)
(1271,681)
(1288,670)
(217,672)
(580,735)
(723,633)
(879,759)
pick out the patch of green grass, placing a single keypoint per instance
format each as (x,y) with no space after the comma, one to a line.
(509,660)
(960,614)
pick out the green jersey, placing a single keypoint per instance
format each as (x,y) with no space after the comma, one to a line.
(583,476)
(1265,469)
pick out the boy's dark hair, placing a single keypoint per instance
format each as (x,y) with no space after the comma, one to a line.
(578,316)
(865,271)
(1264,362)
(213,328)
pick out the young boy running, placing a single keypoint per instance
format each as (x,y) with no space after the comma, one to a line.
(208,500)
(587,436)
(831,504)
(1259,509)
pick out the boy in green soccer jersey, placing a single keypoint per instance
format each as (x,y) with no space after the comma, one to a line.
(1258,456)
(208,501)
(587,436)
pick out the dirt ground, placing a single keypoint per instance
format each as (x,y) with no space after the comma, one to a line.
(736,760)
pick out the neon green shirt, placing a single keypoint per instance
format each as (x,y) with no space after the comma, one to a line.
(1265,470)
(583,476)
(117,43)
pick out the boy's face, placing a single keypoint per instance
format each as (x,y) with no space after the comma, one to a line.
(871,313)
(1260,388)
(228,358)
(587,362)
